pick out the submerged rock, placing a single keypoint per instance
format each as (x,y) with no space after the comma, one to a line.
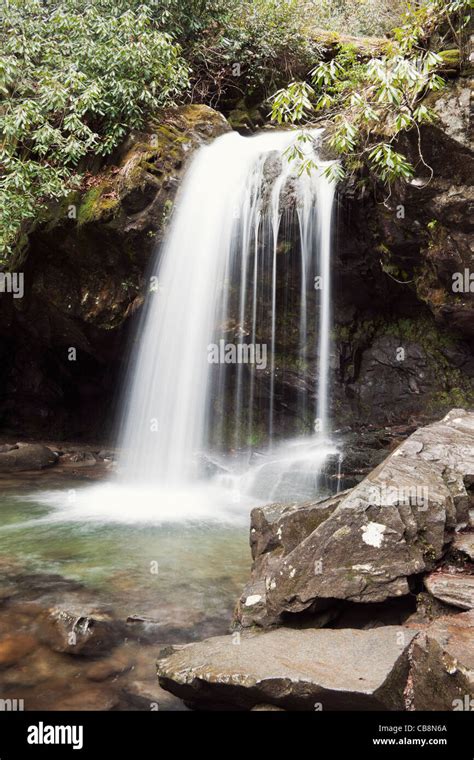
(111,667)
(14,648)
(79,632)
(391,527)
(145,695)
(292,669)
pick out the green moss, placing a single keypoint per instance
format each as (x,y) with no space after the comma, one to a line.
(451,57)
(460,398)
(457,390)
(96,204)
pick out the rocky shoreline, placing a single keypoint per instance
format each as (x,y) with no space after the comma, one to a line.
(362,601)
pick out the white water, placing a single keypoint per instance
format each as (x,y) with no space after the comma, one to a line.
(225,231)
(223,274)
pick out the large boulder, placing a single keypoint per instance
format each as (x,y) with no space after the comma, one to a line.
(27,456)
(294,669)
(390,528)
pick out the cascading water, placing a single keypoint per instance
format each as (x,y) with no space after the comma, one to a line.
(191,389)
(233,343)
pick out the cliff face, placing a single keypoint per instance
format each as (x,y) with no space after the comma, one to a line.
(398,263)
(402,336)
(84,277)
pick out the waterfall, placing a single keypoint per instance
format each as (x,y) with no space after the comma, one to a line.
(205,368)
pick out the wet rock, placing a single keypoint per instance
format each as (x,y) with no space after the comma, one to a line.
(107,454)
(442,665)
(78,631)
(90,699)
(5,447)
(393,526)
(14,648)
(27,456)
(144,695)
(292,669)
(109,668)
(29,586)
(82,458)
(457,590)
(385,377)
(452,108)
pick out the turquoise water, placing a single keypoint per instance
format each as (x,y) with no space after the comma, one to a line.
(141,568)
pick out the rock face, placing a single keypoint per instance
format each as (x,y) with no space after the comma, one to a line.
(364,545)
(84,279)
(452,589)
(393,271)
(392,282)
(442,670)
(293,669)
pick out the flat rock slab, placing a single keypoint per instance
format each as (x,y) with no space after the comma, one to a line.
(308,669)
(457,590)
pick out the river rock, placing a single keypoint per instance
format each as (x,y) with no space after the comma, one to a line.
(89,699)
(110,668)
(27,456)
(15,648)
(145,695)
(293,669)
(442,665)
(78,632)
(457,590)
(394,525)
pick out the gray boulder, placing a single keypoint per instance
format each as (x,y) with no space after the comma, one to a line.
(292,669)
(370,541)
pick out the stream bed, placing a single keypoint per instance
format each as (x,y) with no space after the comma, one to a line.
(158,584)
